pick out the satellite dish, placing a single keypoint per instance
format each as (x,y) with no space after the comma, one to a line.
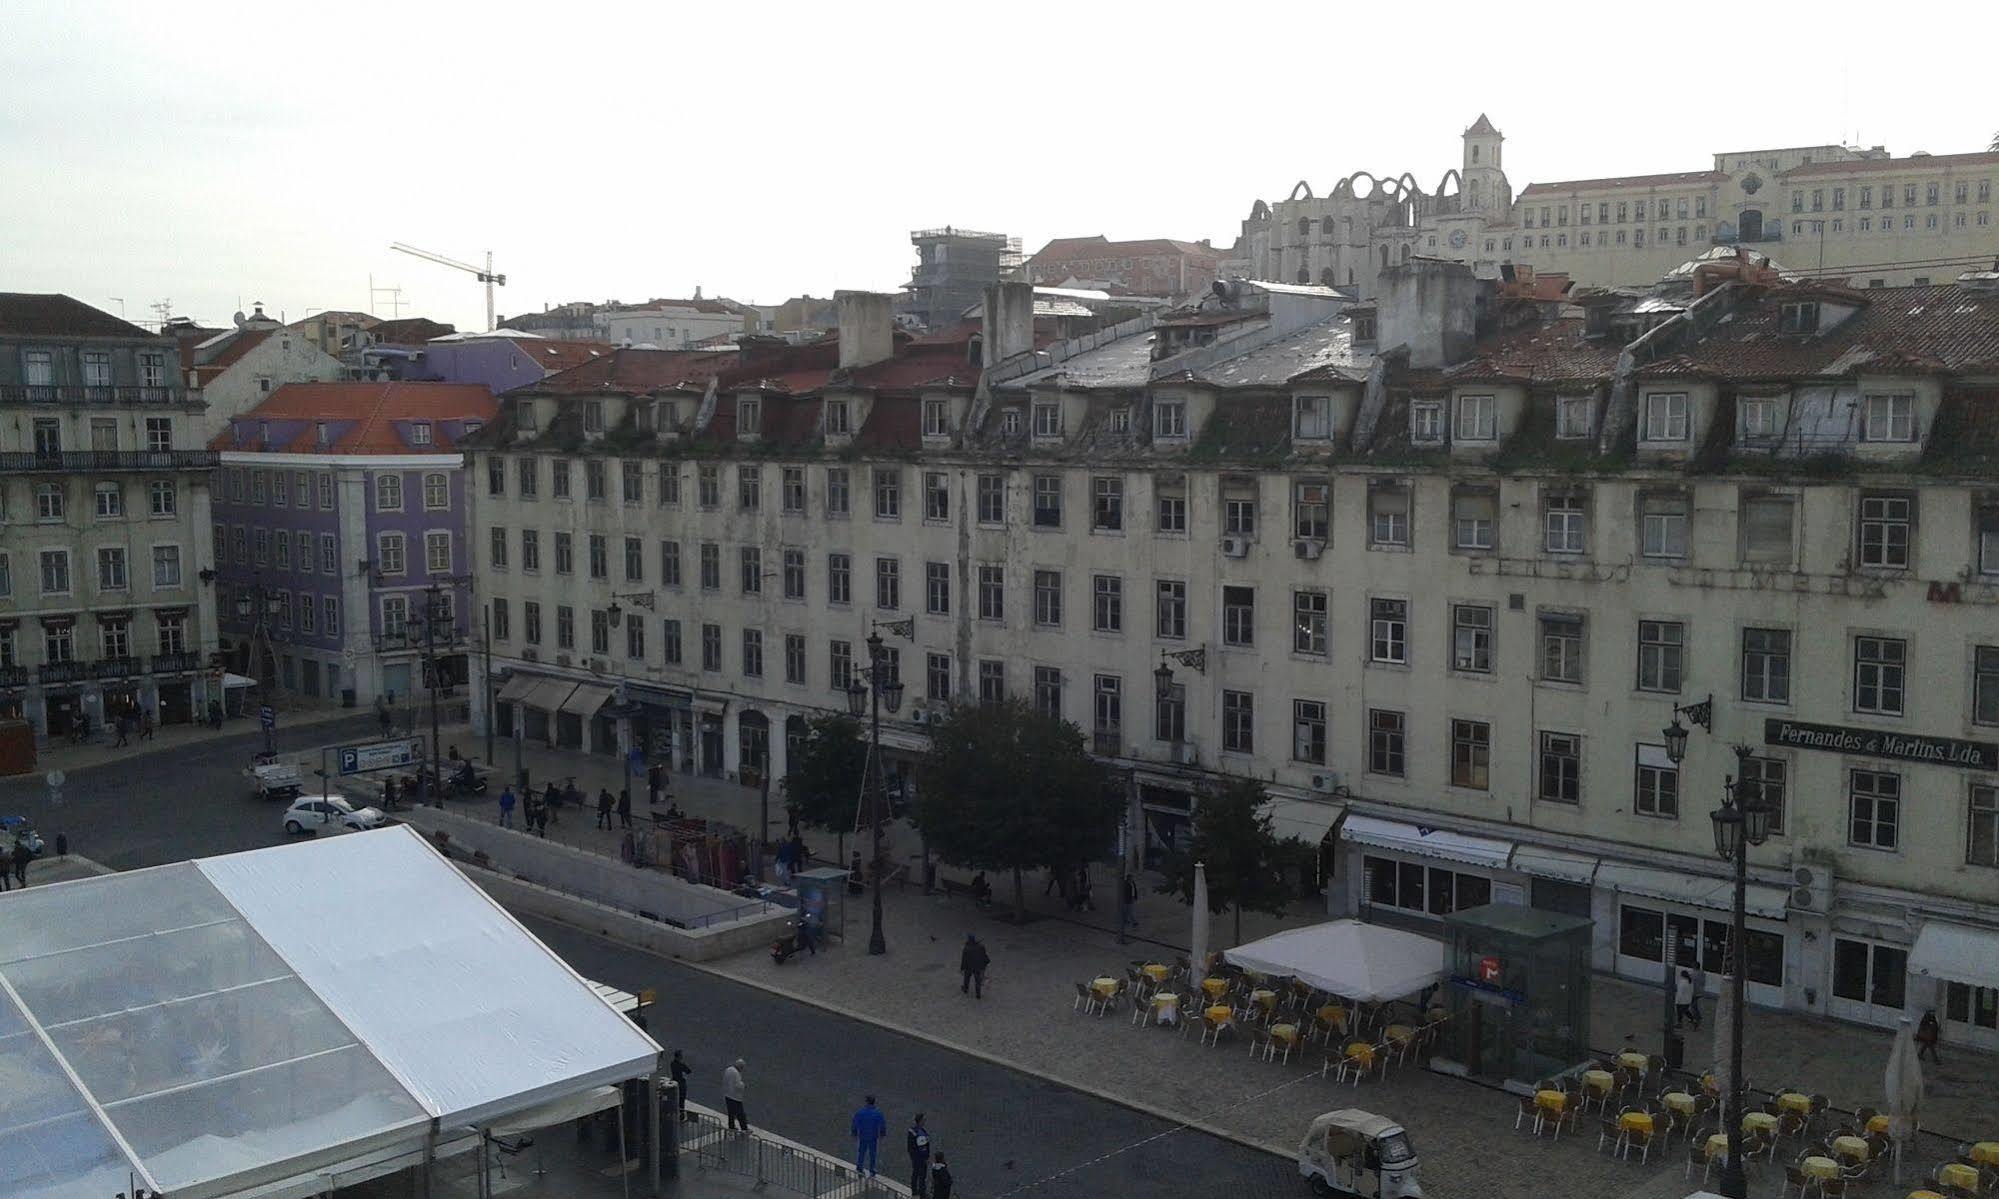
(239,318)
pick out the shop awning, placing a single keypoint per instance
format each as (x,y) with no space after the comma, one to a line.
(1306,819)
(549,694)
(1542,862)
(906,741)
(586,699)
(518,688)
(1425,842)
(1697,890)
(1956,953)
(236,680)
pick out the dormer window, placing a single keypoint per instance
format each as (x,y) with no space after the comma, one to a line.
(1572,418)
(1889,418)
(1120,419)
(1474,419)
(936,419)
(1426,422)
(1048,420)
(1363,325)
(1666,416)
(1799,316)
(1759,419)
(593,416)
(420,432)
(1169,419)
(1010,422)
(1313,418)
(838,423)
(749,416)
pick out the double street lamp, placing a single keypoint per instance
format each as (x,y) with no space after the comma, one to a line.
(1742,820)
(871,688)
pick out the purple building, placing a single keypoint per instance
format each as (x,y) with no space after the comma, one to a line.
(499,361)
(340,520)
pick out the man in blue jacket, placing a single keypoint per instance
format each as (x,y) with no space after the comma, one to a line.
(869,1127)
(919,1158)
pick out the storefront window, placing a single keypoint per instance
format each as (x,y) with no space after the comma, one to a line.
(1972,1005)
(1641,933)
(1414,887)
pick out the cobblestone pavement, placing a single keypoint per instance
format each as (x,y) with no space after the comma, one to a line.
(1464,1131)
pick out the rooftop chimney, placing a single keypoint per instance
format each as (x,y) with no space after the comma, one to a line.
(867,328)
(1008,328)
(1430,308)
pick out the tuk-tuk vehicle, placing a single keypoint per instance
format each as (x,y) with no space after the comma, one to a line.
(1347,1146)
(21,832)
(276,780)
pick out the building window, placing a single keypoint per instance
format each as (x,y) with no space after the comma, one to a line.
(992,593)
(559,476)
(711,563)
(1879,664)
(753,653)
(1766,666)
(1656,791)
(791,491)
(1312,417)
(530,622)
(1308,624)
(635,560)
(1666,417)
(1474,419)
(1662,650)
(166,567)
(992,499)
(1048,691)
(1239,510)
(936,496)
(749,488)
(600,556)
(1875,807)
(1311,514)
(840,664)
(111,568)
(1474,521)
(1471,754)
(1308,731)
(707,485)
(631,482)
(600,631)
(935,419)
(1169,715)
(750,569)
(1107,615)
(1985,684)
(1561,768)
(888,584)
(1982,838)
(711,648)
(1047,501)
(1107,504)
(1388,631)
(1238,722)
(1426,422)
(1766,530)
(992,681)
(749,416)
(1889,418)
(669,563)
(794,659)
(1388,517)
(526,473)
(1169,419)
(1173,512)
(1562,648)
(1386,734)
(838,422)
(937,677)
(1471,638)
(1107,712)
(1573,417)
(1048,598)
(1170,614)
(388,491)
(110,499)
(1663,526)
(1886,523)
(838,500)
(888,493)
(1566,524)
(936,587)
(496,477)
(1048,420)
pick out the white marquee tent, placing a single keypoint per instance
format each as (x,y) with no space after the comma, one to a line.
(280,1021)
(1366,962)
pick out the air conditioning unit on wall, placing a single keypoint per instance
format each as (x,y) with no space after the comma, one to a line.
(1235,546)
(1308,549)
(1811,889)
(1185,753)
(1326,783)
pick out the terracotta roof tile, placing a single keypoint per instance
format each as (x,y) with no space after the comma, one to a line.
(27,314)
(362,418)
(1939,328)
(636,372)
(1584,185)
(1917,162)
(409,331)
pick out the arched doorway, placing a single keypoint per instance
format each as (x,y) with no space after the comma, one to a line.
(1328,278)
(1751,225)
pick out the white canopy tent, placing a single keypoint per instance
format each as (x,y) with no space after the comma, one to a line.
(278,1019)
(1365,962)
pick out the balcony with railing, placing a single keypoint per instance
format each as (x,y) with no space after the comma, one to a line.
(13,676)
(1107,743)
(79,393)
(68,461)
(176,663)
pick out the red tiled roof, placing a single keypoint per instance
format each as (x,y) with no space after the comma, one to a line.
(1934,329)
(1583,185)
(409,331)
(1549,353)
(1063,249)
(365,415)
(241,342)
(27,314)
(1916,163)
(637,372)
(554,356)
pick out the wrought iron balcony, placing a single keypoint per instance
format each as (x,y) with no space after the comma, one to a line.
(13,676)
(77,393)
(175,663)
(63,672)
(1107,743)
(66,461)
(117,668)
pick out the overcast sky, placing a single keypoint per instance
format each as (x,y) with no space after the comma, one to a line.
(221,156)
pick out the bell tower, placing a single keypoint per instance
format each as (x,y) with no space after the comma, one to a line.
(1484,178)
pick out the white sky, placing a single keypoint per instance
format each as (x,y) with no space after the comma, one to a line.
(219,156)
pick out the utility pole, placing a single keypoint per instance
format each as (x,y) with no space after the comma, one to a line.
(430,614)
(486,643)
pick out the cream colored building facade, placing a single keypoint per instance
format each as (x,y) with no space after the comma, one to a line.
(1442,606)
(1827,211)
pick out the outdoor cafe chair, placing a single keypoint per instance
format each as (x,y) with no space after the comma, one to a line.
(1529,1111)
(1698,1153)
(1086,999)
(1611,1133)
(1259,1042)
(1212,1029)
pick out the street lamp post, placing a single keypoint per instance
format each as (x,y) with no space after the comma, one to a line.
(260,606)
(1741,821)
(872,687)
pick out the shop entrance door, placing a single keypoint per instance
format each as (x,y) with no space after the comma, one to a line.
(1869,980)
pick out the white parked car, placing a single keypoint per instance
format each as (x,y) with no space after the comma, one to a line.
(333,814)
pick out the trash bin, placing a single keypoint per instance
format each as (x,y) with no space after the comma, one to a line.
(1676,1051)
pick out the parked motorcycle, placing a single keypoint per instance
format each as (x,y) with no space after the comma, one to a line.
(793,942)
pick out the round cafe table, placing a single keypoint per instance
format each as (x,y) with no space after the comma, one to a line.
(1156,972)
(1632,1061)
(1717,1146)
(1105,986)
(1924,1195)
(1221,1013)
(1852,1149)
(1362,1052)
(1957,1174)
(1793,1101)
(1263,998)
(1986,1153)
(1878,1123)
(1552,1101)
(1635,1121)
(1215,987)
(1678,1101)
(1166,1008)
(1759,1122)
(1819,1167)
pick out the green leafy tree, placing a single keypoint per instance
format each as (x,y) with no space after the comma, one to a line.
(1245,859)
(823,788)
(1008,788)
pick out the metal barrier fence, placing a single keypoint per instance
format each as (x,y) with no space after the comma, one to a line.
(774,1164)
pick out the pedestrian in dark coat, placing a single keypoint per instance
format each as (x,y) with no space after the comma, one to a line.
(972,963)
(624,807)
(604,804)
(919,1158)
(21,859)
(655,783)
(940,1178)
(1928,1033)
(681,1072)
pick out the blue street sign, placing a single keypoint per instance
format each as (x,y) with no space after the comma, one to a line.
(379,755)
(267,716)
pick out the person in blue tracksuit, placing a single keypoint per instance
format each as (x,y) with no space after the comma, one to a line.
(869,1127)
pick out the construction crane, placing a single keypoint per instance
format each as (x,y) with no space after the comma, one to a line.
(486,276)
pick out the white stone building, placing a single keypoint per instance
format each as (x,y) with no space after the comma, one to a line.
(1831,211)
(1437,569)
(238,369)
(106,606)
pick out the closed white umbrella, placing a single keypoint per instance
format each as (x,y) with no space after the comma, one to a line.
(1724,1023)
(1903,1085)
(1197,945)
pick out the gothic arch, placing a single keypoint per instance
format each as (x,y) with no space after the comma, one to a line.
(1259,211)
(1452,180)
(1302,187)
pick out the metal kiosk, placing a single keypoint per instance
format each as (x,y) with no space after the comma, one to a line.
(1518,993)
(822,897)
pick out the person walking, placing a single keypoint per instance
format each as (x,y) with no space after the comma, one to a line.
(919,1158)
(1686,1004)
(681,1072)
(655,783)
(21,859)
(940,1178)
(507,808)
(124,724)
(551,799)
(1127,907)
(972,963)
(604,805)
(869,1127)
(145,726)
(1928,1033)
(624,807)
(732,1096)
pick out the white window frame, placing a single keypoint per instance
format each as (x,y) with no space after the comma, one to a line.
(1574,416)
(1668,416)
(1426,422)
(1889,418)
(1474,418)
(389,492)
